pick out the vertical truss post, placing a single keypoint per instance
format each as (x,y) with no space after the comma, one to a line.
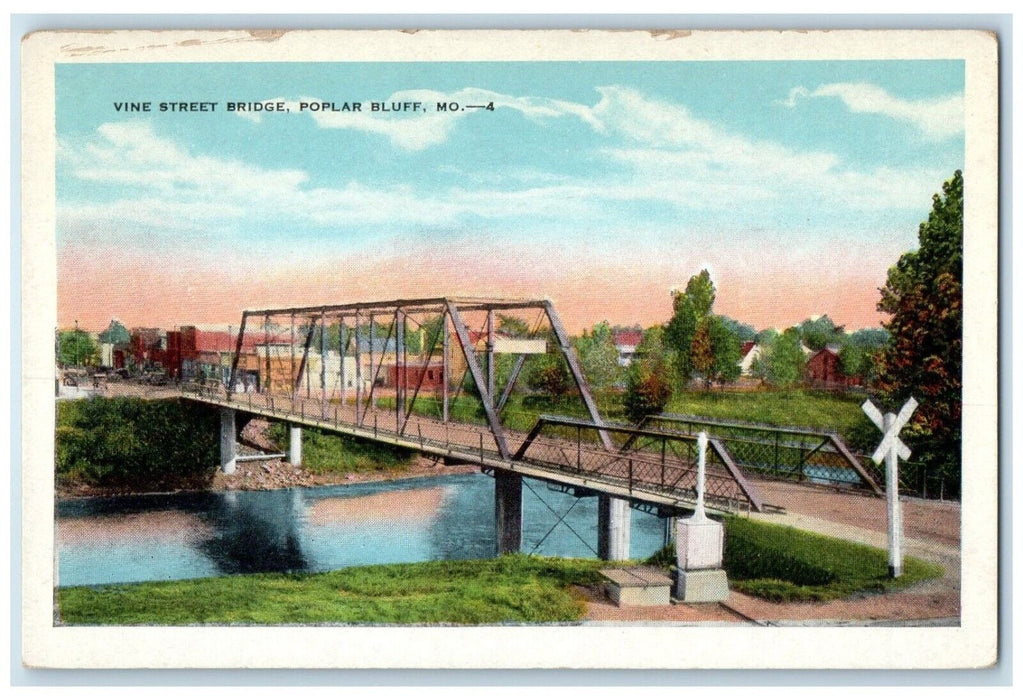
(358,371)
(445,375)
(266,348)
(373,373)
(237,355)
(303,365)
(323,364)
(477,376)
(342,350)
(399,379)
(294,379)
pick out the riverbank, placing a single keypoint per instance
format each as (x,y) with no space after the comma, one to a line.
(269,474)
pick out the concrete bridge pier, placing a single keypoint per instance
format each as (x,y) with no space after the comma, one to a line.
(508,511)
(228,446)
(613,521)
(295,445)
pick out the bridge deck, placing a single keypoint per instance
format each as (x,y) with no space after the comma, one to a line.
(662,476)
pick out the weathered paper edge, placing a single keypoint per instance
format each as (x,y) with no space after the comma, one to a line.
(971,645)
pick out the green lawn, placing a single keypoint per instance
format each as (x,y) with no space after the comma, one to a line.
(515,588)
(785,407)
(769,561)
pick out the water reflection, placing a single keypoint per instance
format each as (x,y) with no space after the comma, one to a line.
(193,535)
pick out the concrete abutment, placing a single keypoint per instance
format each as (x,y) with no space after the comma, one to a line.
(613,521)
(228,446)
(508,511)
(295,445)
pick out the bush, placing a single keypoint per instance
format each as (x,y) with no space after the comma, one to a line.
(138,444)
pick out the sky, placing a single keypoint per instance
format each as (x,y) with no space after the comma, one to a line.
(601,185)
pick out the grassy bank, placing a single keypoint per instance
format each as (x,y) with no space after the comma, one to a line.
(772,562)
(331,453)
(784,564)
(514,588)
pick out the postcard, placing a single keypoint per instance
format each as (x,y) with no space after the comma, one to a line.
(510,349)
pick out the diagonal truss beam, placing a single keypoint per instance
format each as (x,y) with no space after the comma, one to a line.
(577,372)
(519,362)
(473,363)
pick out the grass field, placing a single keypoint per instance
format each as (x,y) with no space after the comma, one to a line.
(784,407)
(764,560)
(514,588)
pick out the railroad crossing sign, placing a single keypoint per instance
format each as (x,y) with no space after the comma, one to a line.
(890,449)
(890,428)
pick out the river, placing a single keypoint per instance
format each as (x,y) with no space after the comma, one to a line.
(179,536)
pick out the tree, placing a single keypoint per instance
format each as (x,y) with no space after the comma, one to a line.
(76,348)
(647,379)
(701,352)
(690,307)
(548,374)
(743,331)
(818,333)
(512,326)
(784,359)
(598,356)
(115,334)
(727,347)
(924,297)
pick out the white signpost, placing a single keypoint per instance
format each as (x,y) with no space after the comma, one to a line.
(700,546)
(890,449)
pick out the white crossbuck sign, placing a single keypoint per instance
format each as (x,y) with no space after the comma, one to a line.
(891,431)
(890,449)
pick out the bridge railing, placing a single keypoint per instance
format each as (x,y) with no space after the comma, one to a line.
(641,459)
(637,460)
(797,454)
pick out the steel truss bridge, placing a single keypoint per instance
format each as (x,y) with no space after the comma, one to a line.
(468,343)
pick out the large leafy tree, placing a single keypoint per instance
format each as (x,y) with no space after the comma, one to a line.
(924,297)
(690,308)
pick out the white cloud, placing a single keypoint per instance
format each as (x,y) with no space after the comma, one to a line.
(421,129)
(937,118)
(174,190)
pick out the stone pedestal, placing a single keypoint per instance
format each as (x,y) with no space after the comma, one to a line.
(707,586)
(699,552)
(699,543)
